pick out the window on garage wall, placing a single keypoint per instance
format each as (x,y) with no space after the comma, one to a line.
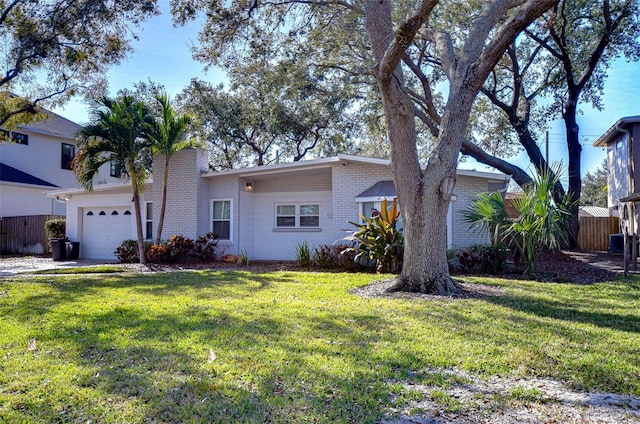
(148,220)
(221,218)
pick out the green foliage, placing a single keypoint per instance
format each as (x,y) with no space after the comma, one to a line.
(127,252)
(337,257)
(53,50)
(303,254)
(379,240)
(541,222)
(594,187)
(117,133)
(57,228)
(295,347)
(206,246)
(487,212)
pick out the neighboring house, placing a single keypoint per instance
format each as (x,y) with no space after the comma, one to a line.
(623,161)
(263,211)
(39,159)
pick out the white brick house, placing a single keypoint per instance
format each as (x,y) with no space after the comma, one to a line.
(263,211)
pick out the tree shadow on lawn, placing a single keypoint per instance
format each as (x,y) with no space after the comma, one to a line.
(592,311)
(154,365)
(233,284)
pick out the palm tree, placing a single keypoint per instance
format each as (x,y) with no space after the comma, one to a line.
(167,136)
(488,212)
(117,134)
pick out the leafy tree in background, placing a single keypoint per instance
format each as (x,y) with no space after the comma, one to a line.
(276,109)
(56,49)
(594,187)
(565,57)
(117,133)
(167,135)
(396,46)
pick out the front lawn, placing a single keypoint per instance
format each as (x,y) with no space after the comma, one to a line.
(216,346)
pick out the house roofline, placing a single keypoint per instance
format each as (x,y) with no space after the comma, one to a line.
(609,135)
(96,188)
(330,161)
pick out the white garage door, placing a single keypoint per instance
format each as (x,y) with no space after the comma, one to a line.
(103,229)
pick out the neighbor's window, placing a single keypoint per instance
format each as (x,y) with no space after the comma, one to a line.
(148,219)
(68,150)
(14,137)
(221,218)
(298,216)
(114,168)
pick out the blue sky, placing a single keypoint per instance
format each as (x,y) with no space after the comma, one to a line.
(163,55)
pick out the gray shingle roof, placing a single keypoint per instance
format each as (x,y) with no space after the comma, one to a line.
(54,124)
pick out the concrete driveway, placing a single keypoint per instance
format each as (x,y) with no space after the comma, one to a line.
(13,265)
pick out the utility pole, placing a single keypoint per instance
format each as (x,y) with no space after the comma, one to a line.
(546,148)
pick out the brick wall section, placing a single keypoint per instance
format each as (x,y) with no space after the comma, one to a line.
(319,180)
(184,193)
(465,190)
(349,180)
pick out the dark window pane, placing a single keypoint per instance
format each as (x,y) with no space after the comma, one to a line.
(286,221)
(149,230)
(68,150)
(309,221)
(222,229)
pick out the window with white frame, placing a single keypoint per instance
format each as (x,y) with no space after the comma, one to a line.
(221,218)
(369,208)
(148,220)
(298,215)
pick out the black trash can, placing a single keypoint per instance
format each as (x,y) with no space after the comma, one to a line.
(73,250)
(59,249)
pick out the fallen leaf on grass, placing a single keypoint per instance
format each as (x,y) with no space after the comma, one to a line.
(212,356)
(31,346)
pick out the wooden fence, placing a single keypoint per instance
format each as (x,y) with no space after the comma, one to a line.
(594,232)
(24,235)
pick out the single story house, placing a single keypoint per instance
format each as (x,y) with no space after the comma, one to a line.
(262,211)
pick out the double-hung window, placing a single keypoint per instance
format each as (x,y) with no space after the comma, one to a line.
(68,151)
(221,218)
(298,215)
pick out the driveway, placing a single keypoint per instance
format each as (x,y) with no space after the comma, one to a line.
(13,265)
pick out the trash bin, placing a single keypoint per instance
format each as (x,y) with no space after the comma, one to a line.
(73,250)
(58,249)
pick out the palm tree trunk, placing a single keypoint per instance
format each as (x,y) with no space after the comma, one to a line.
(137,210)
(163,205)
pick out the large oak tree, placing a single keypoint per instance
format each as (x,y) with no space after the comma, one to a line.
(54,49)
(334,32)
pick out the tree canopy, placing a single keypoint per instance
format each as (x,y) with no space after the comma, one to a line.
(404,51)
(55,49)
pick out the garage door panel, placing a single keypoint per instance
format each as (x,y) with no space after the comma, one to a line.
(103,229)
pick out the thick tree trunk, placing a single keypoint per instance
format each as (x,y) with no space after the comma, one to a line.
(575,155)
(163,206)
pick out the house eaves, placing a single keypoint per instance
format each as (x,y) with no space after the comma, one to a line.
(96,188)
(612,132)
(329,162)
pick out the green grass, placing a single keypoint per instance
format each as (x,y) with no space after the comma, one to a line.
(289,346)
